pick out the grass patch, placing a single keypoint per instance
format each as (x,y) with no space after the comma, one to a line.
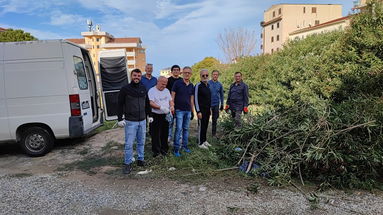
(106,126)
(91,162)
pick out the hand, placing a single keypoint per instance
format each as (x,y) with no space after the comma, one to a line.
(192,116)
(164,109)
(121,123)
(221,108)
(245,110)
(172,110)
(227,108)
(150,119)
(199,115)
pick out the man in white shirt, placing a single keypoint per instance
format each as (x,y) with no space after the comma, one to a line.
(162,104)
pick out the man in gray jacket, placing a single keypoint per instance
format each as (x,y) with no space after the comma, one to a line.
(238,98)
(133,102)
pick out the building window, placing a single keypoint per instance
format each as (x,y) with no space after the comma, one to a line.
(314,10)
(278,25)
(273,14)
(277,37)
(272,39)
(304,9)
(98,39)
(272,50)
(98,46)
(280,11)
(272,27)
(261,35)
(316,22)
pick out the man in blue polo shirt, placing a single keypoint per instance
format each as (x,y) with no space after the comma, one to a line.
(217,100)
(148,80)
(182,94)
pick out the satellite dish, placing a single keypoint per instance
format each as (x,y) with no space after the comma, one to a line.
(98,28)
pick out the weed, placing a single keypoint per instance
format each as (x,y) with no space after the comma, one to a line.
(20,175)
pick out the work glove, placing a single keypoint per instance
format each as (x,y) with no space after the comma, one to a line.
(164,109)
(227,108)
(245,110)
(192,116)
(121,123)
(150,119)
(221,108)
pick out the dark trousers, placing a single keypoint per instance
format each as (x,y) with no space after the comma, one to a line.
(236,114)
(203,125)
(214,118)
(160,130)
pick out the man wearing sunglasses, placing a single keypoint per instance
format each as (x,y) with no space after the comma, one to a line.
(202,101)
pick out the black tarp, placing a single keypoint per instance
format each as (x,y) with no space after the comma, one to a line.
(113,78)
(113,73)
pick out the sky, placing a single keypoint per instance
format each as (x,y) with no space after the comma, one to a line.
(173,31)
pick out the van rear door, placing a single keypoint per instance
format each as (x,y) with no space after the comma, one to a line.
(114,76)
(80,98)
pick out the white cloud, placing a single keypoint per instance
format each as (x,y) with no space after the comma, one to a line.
(59,18)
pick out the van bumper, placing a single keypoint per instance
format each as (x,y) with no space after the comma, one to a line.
(76,126)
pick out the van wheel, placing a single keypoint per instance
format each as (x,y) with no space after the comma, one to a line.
(36,141)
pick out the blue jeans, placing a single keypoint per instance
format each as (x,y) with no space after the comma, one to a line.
(134,131)
(182,126)
(171,123)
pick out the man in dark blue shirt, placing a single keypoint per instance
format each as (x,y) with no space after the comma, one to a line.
(182,94)
(238,98)
(217,100)
(148,80)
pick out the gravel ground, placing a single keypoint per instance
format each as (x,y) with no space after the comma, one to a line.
(33,186)
(61,194)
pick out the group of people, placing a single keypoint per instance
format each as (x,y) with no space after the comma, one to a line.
(165,102)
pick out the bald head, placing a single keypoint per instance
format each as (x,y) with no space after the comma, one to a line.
(161,83)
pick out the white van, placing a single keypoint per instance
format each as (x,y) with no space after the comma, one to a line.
(48,91)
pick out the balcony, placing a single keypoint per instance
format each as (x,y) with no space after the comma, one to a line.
(130,54)
(131,62)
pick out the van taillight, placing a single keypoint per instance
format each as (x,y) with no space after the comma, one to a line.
(75,109)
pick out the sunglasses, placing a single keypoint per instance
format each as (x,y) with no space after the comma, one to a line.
(205,76)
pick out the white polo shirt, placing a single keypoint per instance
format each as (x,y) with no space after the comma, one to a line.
(161,98)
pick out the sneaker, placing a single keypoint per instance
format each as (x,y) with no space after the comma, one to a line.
(207,143)
(186,149)
(177,154)
(203,146)
(141,163)
(127,169)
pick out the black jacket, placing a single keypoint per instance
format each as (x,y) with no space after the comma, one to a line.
(202,97)
(133,102)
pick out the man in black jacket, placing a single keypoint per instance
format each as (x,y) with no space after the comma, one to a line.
(202,97)
(133,102)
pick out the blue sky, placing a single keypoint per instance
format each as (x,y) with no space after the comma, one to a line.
(173,31)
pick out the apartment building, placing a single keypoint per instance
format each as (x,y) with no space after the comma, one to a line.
(165,72)
(282,19)
(333,25)
(361,4)
(2,29)
(97,40)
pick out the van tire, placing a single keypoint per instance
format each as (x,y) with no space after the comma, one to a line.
(36,141)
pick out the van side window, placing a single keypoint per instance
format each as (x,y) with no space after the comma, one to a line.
(81,76)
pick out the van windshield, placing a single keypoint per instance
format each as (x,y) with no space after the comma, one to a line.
(81,75)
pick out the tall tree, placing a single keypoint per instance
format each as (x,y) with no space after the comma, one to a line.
(208,63)
(236,43)
(11,35)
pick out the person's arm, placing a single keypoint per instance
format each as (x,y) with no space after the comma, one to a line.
(148,109)
(171,104)
(154,105)
(229,97)
(195,103)
(221,96)
(121,104)
(246,96)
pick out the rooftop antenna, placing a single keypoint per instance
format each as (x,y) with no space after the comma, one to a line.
(90,24)
(98,27)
